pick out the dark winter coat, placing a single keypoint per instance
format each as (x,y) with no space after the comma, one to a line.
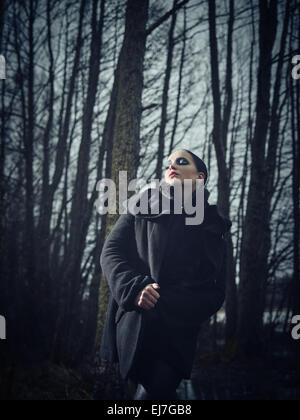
(141,250)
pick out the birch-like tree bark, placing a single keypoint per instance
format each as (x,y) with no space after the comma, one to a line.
(126,131)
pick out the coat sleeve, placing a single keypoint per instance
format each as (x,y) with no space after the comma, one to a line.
(124,281)
(189,307)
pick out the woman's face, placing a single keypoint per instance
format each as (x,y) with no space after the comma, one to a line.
(181,166)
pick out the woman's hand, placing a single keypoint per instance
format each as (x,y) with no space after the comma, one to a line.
(148,297)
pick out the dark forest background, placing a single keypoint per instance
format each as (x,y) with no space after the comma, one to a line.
(97,86)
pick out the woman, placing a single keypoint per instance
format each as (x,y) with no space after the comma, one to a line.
(166,278)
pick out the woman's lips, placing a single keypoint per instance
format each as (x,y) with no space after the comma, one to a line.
(173,174)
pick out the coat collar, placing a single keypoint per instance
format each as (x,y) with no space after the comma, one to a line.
(154,196)
(213,221)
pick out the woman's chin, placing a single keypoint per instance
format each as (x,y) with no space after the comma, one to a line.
(173,181)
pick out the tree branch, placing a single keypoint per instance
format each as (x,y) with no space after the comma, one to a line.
(165,17)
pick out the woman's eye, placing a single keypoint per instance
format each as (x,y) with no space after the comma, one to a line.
(182,161)
(179,161)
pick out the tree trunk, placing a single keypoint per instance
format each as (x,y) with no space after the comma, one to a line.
(107,136)
(254,249)
(2,145)
(126,133)
(78,223)
(165,98)
(28,147)
(59,168)
(180,81)
(295,109)
(43,229)
(220,134)
(96,317)
(2,14)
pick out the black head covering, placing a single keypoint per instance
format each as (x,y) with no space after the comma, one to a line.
(200,165)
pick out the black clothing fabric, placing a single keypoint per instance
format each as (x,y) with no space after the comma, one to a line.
(189,264)
(156,343)
(156,368)
(157,380)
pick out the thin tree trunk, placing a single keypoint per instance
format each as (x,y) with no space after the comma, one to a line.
(254,252)
(241,213)
(106,147)
(180,82)
(126,134)
(79,226)
(2,144)
(61,157)
(107,136)
(295,108)
(220,134)
(165,17)
(28,147)
(2,14)
(165,97)
(43,229)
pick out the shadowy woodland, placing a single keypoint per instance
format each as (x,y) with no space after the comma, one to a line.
(97,86)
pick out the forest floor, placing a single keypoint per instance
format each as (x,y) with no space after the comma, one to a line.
(213,378)
(242,381)
(44,381)
(210,381)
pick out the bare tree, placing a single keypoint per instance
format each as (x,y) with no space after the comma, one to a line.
(128,108)
(79,211)
(220,141)
(256,232)
(165,97)
(295,117)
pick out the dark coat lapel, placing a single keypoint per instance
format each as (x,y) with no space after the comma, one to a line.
(157,228)
(157,245)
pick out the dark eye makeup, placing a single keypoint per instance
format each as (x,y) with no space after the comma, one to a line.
(179,161)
